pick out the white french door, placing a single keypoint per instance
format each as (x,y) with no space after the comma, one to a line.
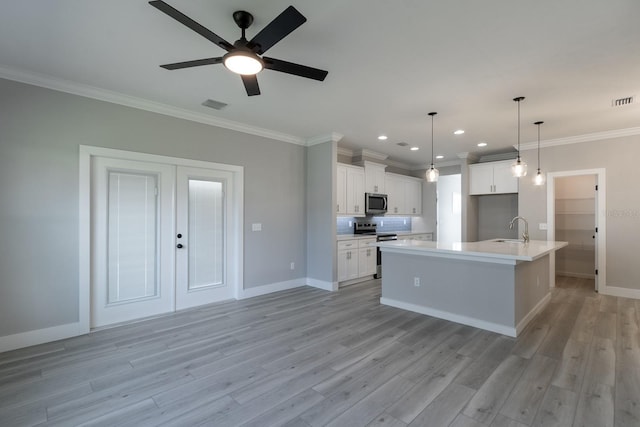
(201,242)
(160,238)
(133,254)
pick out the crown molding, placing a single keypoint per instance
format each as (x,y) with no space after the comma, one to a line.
(342,151)
(589,137)
(93,92)
(332,137)
(363,152)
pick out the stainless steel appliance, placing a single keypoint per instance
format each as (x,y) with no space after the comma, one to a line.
(370,228)
(375,204)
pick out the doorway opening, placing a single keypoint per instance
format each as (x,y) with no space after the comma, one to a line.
(575,206)
(449,208)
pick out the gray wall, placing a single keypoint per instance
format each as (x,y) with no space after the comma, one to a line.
(321,216)
(619,156)
(40,131)
(495,211)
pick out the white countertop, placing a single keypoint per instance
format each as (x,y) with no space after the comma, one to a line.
(364,236)
(488,250)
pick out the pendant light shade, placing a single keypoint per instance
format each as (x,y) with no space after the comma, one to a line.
(519,167)
(432,173)
(539,179)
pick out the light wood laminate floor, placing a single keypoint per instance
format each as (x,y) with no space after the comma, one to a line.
(306,357)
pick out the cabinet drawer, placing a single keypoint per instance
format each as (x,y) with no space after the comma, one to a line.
(364,243)
(347,244)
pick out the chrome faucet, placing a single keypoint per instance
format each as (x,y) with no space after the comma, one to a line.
(525,235)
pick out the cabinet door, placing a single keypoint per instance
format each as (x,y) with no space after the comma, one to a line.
(366,261)
(503,180)
(413,197)
(343,265)
(481,179)
(355,191)
(341,190)
(352,264)
(374,178)
(395,192)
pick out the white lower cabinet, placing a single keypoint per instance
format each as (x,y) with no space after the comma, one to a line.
(356,259)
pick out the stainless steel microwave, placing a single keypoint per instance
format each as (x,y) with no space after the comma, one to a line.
(375,204)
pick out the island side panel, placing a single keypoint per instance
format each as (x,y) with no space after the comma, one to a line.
(480,294)
(532,289)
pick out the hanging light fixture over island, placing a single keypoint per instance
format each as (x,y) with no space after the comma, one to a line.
(519,167)
(432,172)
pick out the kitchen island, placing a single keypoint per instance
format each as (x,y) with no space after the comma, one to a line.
(498,285)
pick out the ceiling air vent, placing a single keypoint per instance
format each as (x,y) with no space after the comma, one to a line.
(623,101)
(402,144)
(216,105)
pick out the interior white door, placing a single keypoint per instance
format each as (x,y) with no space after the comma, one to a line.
(132,250)
(449,208)
(204,218)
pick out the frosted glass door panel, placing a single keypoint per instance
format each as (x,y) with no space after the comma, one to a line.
(133,233)
(206,234)
(132,222)
(204,217)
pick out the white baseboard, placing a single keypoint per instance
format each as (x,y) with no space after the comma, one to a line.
(465,320)
(578,275)
(40,336)
(619,292)
(320,284)
(273,287)
(530,315)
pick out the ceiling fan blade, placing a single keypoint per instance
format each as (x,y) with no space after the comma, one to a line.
(185,20)
(276,30)
(251,84)
(194,63)
(295,69)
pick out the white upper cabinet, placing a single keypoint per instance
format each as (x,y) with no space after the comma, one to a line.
(350,191)
(374,177)
(492,178)
(404,195)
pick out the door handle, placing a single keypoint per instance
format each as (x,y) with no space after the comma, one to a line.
(179,246)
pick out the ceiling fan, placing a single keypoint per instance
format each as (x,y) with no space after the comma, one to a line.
(244,56)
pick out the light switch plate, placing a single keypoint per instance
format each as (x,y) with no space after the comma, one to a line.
(542,226)
(256,227)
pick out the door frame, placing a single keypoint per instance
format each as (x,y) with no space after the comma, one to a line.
(235,246)
(601,221)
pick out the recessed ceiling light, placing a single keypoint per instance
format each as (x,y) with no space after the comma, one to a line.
(458,132)
(439,157)
(414,148)
(382,137)
(482,144)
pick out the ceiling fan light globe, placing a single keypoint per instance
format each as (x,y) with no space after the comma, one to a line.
(244,63)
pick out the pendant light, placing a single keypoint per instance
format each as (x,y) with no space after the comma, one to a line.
(432,173)
(539,179)
(519,168)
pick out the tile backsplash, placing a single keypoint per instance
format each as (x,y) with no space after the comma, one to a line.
(384,224)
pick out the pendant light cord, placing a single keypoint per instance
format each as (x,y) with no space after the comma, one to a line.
(538,124)
(432,114)
(518,99)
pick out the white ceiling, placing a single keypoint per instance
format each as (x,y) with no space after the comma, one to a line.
(389,63)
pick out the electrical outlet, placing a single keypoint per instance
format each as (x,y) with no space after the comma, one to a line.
(416,282)
(381,223)
(293,265)
(350,224)
(404,222)
(256,227)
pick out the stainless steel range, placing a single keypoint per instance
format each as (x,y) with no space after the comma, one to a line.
(370,228)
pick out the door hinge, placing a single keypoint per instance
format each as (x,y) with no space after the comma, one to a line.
(596,188)
(596,229)
(596,272)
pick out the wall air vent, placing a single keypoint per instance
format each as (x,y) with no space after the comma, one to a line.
(623,101)
(216,105)
(402,144)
